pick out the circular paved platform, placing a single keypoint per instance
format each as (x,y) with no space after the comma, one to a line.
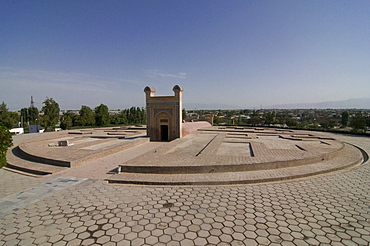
(48,153)
(237,155)
(330,209)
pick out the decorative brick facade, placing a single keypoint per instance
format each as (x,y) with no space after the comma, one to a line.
(164,115)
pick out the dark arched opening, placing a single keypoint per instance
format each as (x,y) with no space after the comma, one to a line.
(164,132)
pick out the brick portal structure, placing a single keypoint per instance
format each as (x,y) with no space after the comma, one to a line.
(164,115)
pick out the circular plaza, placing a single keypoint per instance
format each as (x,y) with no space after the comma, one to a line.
(76,207)
(209,156)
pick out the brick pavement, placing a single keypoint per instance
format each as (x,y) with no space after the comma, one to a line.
(331,209)
(216,156)
(21,199)
(95,170)
(11,182)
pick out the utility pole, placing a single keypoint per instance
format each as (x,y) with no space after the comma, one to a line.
(32,102)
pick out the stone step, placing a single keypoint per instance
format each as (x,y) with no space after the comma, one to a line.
(38,159)
(204,164)
(16,161)
(244,177)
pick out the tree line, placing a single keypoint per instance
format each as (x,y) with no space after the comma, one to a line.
(312,119)
(86,116)
(50,116)
(7,121)
(100,116)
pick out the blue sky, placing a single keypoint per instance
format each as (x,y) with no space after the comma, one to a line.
(240,54)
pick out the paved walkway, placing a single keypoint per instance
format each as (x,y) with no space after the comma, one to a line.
(104,167)
(21,199)
(331,209)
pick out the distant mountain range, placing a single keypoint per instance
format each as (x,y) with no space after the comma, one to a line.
(214,106)
(360,103)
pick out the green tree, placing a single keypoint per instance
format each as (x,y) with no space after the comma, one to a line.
(6,118)
(132,117)
(116,119)
(24,117)
(14,118)
(102,115)
(33,115)
(216,120)
(328,124)
(269,118)
(345,118)
(119,119)
(143,113)
(29,116)
(51,113)
(291,122)
(86,116)
(139,116)
(66,121)
(75,119)
(358,123)
(255,118)
(6,142)
(184,114)
(282,117)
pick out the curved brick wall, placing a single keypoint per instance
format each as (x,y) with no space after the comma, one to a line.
(190,127)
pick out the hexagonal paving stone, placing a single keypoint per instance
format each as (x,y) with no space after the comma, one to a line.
(323,210)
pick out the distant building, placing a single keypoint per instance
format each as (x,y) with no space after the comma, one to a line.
(192,116)
(35,128)
(17,130)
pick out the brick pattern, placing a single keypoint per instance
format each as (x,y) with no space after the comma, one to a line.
(330,209)
(31,153)
(202,148)
(239,155)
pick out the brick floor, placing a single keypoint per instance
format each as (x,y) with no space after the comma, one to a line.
(331,209)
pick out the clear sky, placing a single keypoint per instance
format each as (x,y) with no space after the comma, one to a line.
(240,54)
